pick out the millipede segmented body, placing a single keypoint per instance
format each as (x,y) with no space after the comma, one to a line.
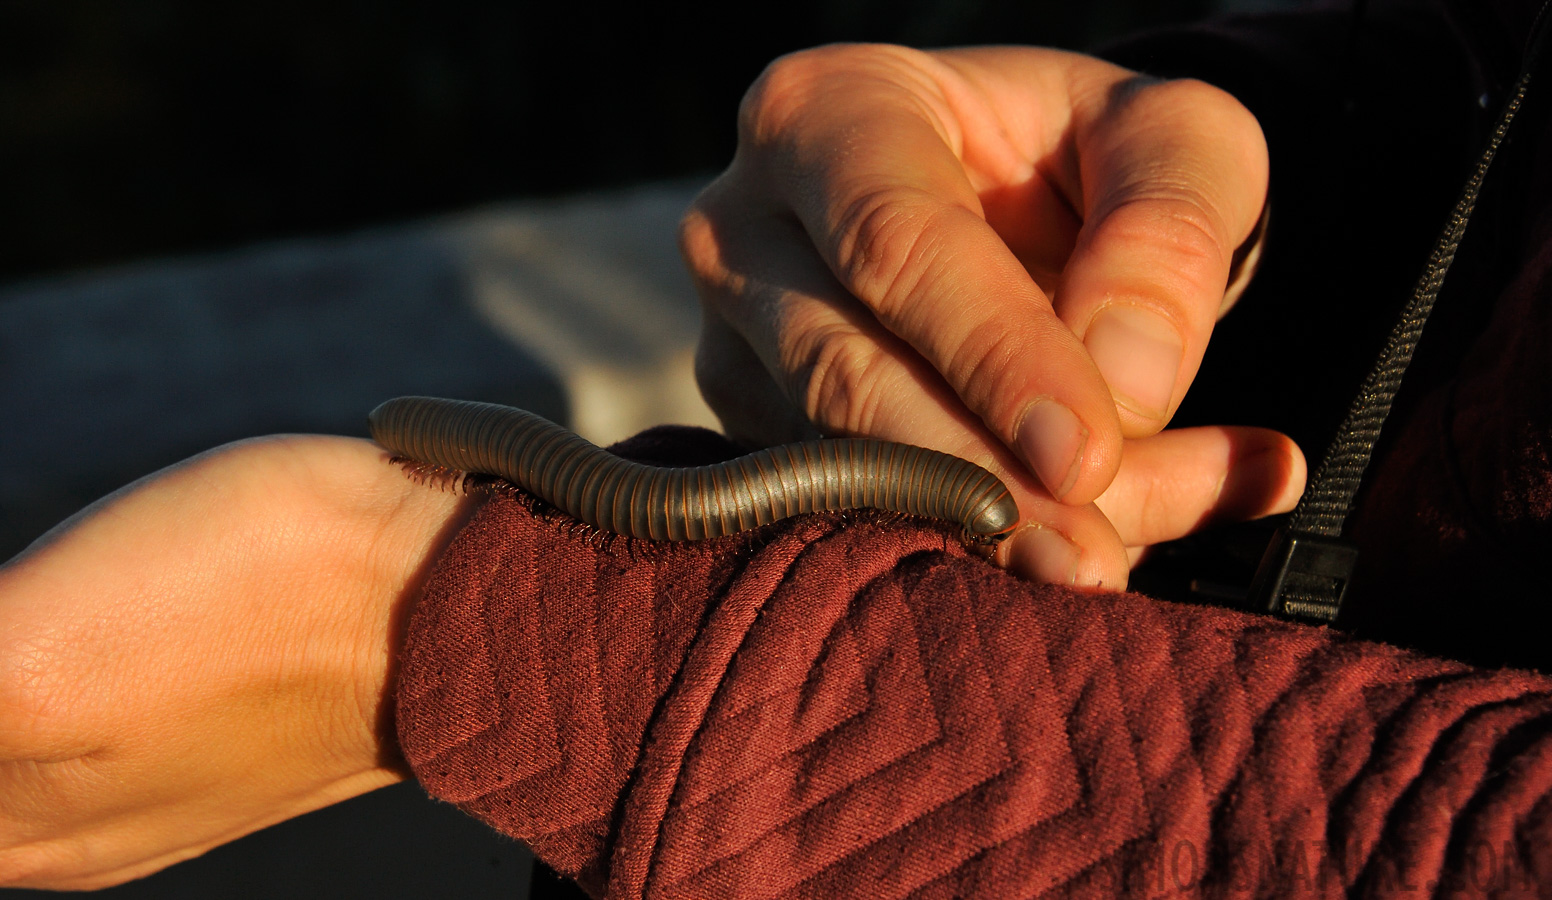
(693,502)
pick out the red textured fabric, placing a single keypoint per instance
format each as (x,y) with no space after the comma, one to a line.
(852,706)
(842,706)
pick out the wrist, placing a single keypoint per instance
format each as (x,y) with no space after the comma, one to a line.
(394,529)
(206,653)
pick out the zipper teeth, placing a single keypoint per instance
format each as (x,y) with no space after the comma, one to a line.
(1328,501)
(1307,567)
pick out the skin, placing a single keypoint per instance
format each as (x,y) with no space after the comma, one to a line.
(1013,255)
(205,653)
(921,247)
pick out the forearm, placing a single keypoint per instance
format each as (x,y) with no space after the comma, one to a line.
(836,707)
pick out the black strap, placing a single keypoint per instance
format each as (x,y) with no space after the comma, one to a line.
(1306,570)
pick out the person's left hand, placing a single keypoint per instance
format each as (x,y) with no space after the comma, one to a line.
(205,653)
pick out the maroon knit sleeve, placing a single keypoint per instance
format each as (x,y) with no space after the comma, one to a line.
(853,706)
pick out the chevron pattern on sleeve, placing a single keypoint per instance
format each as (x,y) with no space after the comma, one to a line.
(851,706)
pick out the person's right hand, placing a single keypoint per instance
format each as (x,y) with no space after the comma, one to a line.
(1013,255)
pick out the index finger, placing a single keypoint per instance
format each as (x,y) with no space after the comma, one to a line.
(1172,178)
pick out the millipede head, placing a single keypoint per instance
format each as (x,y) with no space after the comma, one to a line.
(996,520)
(982,545)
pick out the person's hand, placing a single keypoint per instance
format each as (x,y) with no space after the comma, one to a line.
(1013,255)
(205,653)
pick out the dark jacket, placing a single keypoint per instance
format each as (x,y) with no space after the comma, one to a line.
(1373,126)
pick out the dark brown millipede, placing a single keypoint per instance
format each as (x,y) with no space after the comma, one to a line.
(693,502)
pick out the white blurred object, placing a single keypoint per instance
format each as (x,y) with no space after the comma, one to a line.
(577,309)
(593,288)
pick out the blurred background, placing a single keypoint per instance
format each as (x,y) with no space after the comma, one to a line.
(222,220)
(153,127)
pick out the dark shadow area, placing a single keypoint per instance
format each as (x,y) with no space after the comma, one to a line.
(395,842)
(171,126)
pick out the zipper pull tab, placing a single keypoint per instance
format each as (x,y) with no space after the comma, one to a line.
(1303,576)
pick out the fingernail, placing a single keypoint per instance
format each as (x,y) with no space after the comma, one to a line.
(1044,554)
(1051,440)
(1139,353)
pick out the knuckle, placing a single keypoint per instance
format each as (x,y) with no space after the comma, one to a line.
(1218,155)
(1198,100)
(790,82)
(1154,511)
(1227,116)
(698,245)
(1191,231)
(983,364)
(886,243)
(843,381)
(708,239)
(778,94)
(1169,217)
(1194,93)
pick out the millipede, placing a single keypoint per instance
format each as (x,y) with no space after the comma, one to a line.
(691,503)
